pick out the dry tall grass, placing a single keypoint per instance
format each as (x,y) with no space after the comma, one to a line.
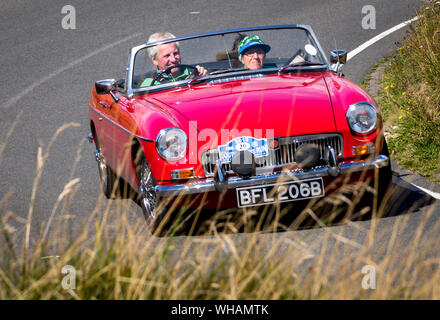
(115,257)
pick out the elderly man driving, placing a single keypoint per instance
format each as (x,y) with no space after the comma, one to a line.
(164,56)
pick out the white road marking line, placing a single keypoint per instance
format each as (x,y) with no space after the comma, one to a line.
(368,43)
(13,100)
(431,193)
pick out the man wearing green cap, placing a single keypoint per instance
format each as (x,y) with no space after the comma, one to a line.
(252,51)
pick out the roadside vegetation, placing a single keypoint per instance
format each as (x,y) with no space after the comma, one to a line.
(410,97)
(115,257)
(110,254)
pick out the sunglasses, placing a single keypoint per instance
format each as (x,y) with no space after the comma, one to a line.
(256,50)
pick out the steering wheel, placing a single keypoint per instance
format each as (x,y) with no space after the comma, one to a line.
(194,72)
(299,53)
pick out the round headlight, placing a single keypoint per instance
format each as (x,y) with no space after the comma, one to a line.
(362,117)
(171,144)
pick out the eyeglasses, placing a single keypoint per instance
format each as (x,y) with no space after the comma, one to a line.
(251,51)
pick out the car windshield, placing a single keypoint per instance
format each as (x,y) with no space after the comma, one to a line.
(220,55)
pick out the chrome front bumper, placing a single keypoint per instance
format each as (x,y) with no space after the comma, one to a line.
(211,184)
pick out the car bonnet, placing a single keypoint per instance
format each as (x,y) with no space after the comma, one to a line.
(291,104)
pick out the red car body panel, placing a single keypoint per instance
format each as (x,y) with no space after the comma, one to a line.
(310,103)
(257,103)
(343,93)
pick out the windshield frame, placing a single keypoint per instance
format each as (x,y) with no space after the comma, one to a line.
(133,51)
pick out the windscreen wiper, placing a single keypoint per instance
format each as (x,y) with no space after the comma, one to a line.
(299,64)
(227,71)
(214,73)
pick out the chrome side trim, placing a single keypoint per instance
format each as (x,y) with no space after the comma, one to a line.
(209,184)
(102,116)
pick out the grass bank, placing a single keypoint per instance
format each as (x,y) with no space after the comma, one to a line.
(410,97)
(113,256)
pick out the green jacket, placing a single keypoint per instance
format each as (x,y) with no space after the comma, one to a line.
(165,77)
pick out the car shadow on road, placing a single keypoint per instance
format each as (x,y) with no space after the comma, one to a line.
(404,198)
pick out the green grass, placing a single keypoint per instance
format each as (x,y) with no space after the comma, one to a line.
(410,98)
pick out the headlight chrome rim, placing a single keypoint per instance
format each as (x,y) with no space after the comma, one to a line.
(162,150)
(355,107)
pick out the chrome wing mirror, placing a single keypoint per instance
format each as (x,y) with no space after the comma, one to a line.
(106,86)
(337,59)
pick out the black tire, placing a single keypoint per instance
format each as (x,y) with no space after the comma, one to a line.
(383,178)
(106,176)
(385,175)
(147,195)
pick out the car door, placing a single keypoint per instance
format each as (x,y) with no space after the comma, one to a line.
(121,114)
(106,128)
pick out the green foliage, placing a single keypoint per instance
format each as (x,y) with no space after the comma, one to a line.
(410,98)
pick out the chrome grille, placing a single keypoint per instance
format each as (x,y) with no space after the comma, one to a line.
(283,155)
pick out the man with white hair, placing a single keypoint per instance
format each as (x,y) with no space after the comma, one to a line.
(164,56)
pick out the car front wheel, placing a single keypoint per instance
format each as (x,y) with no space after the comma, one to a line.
(106,175)
(147,194)
(385,175)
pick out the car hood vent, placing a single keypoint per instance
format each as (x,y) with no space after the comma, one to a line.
(240,77)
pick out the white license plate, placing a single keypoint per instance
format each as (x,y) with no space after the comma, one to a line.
(280,192)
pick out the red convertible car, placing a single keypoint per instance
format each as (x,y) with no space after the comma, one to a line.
(235,118)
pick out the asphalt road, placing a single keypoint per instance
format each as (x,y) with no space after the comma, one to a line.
(47,73)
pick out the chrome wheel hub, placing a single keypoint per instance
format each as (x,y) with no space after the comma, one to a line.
(102,167)
(147,191)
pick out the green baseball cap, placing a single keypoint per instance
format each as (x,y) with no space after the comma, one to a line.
(251,41)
